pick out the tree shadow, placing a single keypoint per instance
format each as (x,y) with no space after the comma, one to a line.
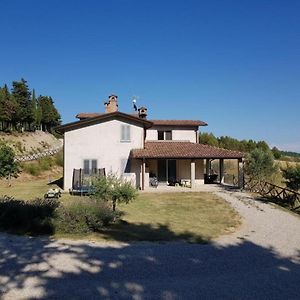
(131,232)
(41,268)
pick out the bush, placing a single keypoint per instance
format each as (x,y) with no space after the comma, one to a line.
(8,165)
(292,177)
(59,159)
(46,216)
(46,163)
(32,168)
(34,217)
(83,216)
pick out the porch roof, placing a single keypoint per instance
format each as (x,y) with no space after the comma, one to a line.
(177,149)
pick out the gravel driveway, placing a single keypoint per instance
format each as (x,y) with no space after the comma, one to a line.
(259,261)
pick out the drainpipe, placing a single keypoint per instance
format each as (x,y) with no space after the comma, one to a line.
(143,174)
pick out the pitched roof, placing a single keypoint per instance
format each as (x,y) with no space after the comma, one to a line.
(100,118)
(87,115)
(82,116)
(176,149)
(178,123)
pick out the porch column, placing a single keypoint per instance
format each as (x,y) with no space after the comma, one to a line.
(221,171)
(193,173)
(143,173)
(240,166)
(207,162)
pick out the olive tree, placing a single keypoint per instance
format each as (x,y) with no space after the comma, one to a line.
(114,189)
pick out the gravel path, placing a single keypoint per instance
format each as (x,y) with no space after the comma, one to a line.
(260,261)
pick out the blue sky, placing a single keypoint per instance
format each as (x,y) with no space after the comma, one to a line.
(233,64)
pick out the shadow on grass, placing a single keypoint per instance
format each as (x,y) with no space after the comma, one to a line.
(41,268)
(59,182)
(129,232)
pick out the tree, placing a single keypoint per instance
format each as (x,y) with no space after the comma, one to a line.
(260,165)
(208,139)
(8,109)
(8,166)
(292,177)
(22,95)
(50,115)
(276,152)
(33,111)
(113,189)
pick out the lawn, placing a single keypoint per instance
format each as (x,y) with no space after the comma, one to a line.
(192,217)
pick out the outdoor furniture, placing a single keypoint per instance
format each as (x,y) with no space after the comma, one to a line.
(52,194)
(153,181)
(212,178)
(185,182)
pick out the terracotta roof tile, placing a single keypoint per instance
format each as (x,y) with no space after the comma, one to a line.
(176,149)
(82,116)
(178,123)
(87,115)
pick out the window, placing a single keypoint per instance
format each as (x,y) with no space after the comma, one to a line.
(168,135)
(89,166)
(125,133)
(164,135)
(160,135)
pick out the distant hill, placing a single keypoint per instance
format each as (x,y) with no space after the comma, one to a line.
(30,142)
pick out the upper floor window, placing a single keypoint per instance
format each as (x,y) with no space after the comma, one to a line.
(125,133)
(89,166)
(164,135)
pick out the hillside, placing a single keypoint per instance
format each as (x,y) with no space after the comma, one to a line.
(30,142)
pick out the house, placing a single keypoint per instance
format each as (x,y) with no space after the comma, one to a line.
(137,148)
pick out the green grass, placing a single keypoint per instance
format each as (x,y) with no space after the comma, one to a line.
(192,217)
(25,190)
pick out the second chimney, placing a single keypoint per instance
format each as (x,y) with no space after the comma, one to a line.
(112,104)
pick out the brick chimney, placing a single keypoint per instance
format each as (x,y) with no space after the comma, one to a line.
(142,112)
(112,104)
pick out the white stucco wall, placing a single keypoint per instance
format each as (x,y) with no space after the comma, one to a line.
(178,134)
(102,142)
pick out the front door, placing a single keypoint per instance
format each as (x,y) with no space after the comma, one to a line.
(166,170)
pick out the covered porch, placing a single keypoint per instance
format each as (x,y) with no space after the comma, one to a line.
(183,164)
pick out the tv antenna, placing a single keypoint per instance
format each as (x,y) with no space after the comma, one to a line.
(134,100)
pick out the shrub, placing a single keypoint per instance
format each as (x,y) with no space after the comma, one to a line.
(114,189)
(292,177)
(46,216)
(32,168)
(45,163)
(34,217)
(8,165)
(59,159)
(82,216)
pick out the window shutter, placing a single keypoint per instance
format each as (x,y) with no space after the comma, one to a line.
(94,166)
(86,167)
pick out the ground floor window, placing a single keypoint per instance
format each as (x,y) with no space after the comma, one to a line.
(90,166)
